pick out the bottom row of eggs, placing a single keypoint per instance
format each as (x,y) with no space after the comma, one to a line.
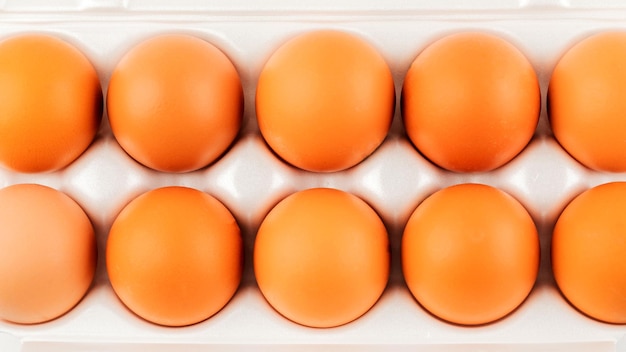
(470,255)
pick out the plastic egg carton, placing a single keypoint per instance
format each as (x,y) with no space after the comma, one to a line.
(249,179)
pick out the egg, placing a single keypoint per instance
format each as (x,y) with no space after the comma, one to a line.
(470,102)
(175,103)
(470,254)
(588,247)
(325,100)
(174,256)
(321,257)
(586,101)
(48,253)
(51,103)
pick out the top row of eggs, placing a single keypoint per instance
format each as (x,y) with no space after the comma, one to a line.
(324,102)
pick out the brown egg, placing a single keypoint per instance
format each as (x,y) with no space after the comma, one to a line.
(48,253)
(175,103)
(586,101)
(51,103)
(321,257)
(325,100)
(470,254)
(470,102)
(588,247)
(174,256)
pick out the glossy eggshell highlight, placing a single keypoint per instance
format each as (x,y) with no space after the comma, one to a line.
(174,256)
(470,102)
(48,251)
(586,101)
(588,251)
(175,103)
(321,257)
(325,100)
(51,103)
(470,254)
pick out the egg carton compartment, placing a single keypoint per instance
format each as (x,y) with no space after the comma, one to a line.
(250,179)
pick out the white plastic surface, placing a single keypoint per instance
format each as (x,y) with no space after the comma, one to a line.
(249,179)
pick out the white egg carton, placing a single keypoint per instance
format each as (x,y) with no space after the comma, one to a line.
(249,179)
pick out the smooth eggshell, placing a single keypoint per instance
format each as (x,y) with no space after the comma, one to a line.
(174,256)
(470,102)
(470,254)
(175,103)
(586,101)
(325,100)
(321,257)
(51,103)
(588,251)
(48,255)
